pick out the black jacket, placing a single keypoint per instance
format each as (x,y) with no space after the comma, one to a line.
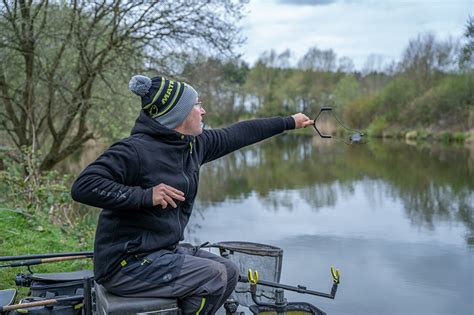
(121,180)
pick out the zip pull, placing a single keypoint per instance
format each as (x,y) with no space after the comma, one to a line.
(191,147)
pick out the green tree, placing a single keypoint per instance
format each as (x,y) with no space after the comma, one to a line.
(265,83)
(467,53)
(347,90)
(319,78)
(444,105)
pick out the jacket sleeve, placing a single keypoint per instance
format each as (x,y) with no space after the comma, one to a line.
(219,142)
(108,182)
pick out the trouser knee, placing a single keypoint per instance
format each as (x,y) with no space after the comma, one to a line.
(232,274)
(217,282)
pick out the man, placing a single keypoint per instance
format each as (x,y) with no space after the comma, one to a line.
(146,185)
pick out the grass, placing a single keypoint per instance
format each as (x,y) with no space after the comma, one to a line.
(25,236)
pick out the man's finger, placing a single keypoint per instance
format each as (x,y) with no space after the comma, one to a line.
(308,123)
(170,201)
(178,197)
(176,191)
(175,195)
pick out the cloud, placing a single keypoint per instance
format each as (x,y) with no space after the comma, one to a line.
(306,2)
(356,29)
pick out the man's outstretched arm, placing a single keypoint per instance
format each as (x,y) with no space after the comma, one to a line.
(219,142)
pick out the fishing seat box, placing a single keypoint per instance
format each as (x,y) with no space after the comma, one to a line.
(110,304)
(50,285)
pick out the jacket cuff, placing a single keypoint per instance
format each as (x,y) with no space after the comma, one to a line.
(289,122)
(147,201)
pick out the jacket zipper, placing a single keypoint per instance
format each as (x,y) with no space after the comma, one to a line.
(181,232)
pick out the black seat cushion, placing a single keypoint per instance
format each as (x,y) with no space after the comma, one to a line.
(110,304)
(63,276)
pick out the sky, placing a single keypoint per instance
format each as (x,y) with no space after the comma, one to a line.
(352,28)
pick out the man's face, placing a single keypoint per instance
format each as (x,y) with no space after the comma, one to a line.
(192,125)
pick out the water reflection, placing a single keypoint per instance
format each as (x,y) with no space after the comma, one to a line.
(395,218)
(381,277)
(434,183)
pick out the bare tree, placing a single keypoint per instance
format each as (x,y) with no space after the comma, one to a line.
(425,57)
(60,60)
(316,59)
(374,77)
(373,64)
(345,64)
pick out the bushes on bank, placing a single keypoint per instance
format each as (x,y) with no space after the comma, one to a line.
(444,111)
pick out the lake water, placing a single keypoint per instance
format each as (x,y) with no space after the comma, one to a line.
(397,219)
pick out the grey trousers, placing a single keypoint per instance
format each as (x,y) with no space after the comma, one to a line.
(201,281)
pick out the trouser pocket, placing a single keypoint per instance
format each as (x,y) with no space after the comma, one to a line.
(161,267)
(140,273)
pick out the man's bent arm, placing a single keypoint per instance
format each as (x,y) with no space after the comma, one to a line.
(219,142)
(108,182)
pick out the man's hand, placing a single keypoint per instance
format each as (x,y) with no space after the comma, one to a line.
(164,195)
(302,121)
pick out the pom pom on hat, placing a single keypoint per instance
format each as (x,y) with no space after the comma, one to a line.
(140,85)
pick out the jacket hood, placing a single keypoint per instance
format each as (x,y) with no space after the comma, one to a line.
(144,124)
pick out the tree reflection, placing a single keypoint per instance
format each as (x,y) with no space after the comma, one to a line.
(433,182)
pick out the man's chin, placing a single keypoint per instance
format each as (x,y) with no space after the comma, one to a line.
(197,132)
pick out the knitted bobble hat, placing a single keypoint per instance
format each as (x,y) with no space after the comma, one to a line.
(168,102)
